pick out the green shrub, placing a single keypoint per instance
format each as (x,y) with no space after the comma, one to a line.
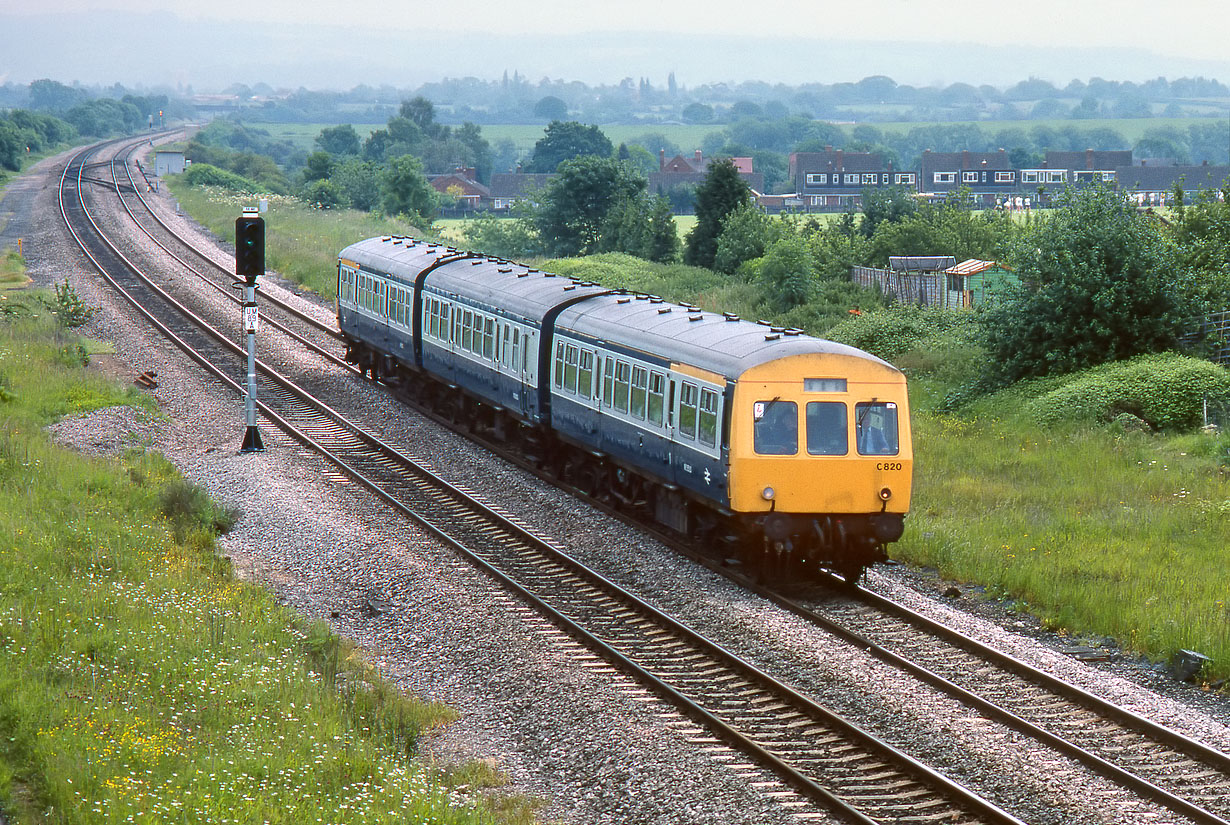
(202,174)
(189,508)
(1167,391)
(903,328)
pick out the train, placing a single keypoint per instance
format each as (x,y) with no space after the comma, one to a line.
(763,446)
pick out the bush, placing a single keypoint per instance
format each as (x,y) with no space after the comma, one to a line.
(1167,391)
(189,508)
(902,328)
(202,174)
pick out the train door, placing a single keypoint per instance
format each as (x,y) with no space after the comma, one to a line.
(526,359)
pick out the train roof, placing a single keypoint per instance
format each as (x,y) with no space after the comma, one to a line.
(717,343)
(499,285)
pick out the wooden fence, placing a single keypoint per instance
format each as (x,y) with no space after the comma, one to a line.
(923,288)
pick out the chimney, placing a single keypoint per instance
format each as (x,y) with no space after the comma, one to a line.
(661,160)
(964,158)
(699,159)
(518,167)
(841,159)
(1089,159)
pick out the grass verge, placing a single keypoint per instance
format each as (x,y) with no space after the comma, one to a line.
(301,243)
(139,681)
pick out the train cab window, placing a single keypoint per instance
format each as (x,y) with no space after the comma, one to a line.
(707,430)
(585,374)
(488,338)
(657,397)
(775,427)
(687,410)
(622,385)
(826,428)
(640,386)
(876,428)
(570,368)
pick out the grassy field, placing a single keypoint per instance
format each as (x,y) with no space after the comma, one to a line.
(301,242)
(139,681)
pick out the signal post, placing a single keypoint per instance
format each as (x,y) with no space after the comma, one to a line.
(250,264)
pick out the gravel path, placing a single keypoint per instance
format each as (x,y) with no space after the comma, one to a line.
(589,742)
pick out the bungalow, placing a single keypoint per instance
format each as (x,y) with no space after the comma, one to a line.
(507,187)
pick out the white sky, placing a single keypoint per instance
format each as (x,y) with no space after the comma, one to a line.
(1186,28)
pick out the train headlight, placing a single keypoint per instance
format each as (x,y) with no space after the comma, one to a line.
(886,494)
(767,493)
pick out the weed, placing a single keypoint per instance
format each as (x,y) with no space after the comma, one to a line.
(69,308)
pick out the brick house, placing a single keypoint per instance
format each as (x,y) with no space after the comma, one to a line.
(462,185)
(683,171)
(989,176)
(835,179)
(508,186)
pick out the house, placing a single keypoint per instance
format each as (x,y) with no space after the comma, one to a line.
(691,172)
(989,176)
(462,186)
(1089,166)
(507,187)
(974,282)
(835,179)
(1155,185)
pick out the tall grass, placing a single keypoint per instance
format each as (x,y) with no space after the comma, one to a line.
(139,681)
(1094,529)
(301,242)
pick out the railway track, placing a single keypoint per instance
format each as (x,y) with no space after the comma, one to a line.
(824,759)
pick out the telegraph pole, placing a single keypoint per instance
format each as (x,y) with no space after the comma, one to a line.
(250,264)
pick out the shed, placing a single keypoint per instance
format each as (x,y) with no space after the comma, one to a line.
(168,163)
(973,282)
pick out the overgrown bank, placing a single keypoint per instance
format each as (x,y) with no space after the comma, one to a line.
(139,681)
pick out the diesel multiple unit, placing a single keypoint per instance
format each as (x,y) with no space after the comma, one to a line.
(784,451)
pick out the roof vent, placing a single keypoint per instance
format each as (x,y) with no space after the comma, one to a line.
(772,337)
(505,269)
(654,300)
(777,329)
(764,323)
(664,310)
(476,263)
(387,238)
(730,316)
(696,317)
(794,331)
(623,301)
(548,274)
(523,274)
(640,296)
(570,287)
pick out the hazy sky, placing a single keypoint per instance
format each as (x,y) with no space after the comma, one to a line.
(335,45)
(1187,28)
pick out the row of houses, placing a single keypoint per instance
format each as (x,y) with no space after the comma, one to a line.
(835,179)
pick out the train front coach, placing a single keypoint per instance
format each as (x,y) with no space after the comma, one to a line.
(821,459)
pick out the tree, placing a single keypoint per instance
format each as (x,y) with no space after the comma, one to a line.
(405,191)
(551,108)
(339,140)
(697,113)
(1097,285)
(746,233)
(722,192)
(320,165)
(574,205)
(358,182)
(885,204)
(641,225)
(564,140)
(787,273)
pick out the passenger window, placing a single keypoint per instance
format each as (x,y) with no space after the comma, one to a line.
(657,397)
(622,387)
(585,375)
(516,358)
(488,338)
(775,427)
(687,410)
(570,369)
(608,381)
(467,330)
(876,428)
(708,417)
(826,428)
(640,382)
(559,364)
